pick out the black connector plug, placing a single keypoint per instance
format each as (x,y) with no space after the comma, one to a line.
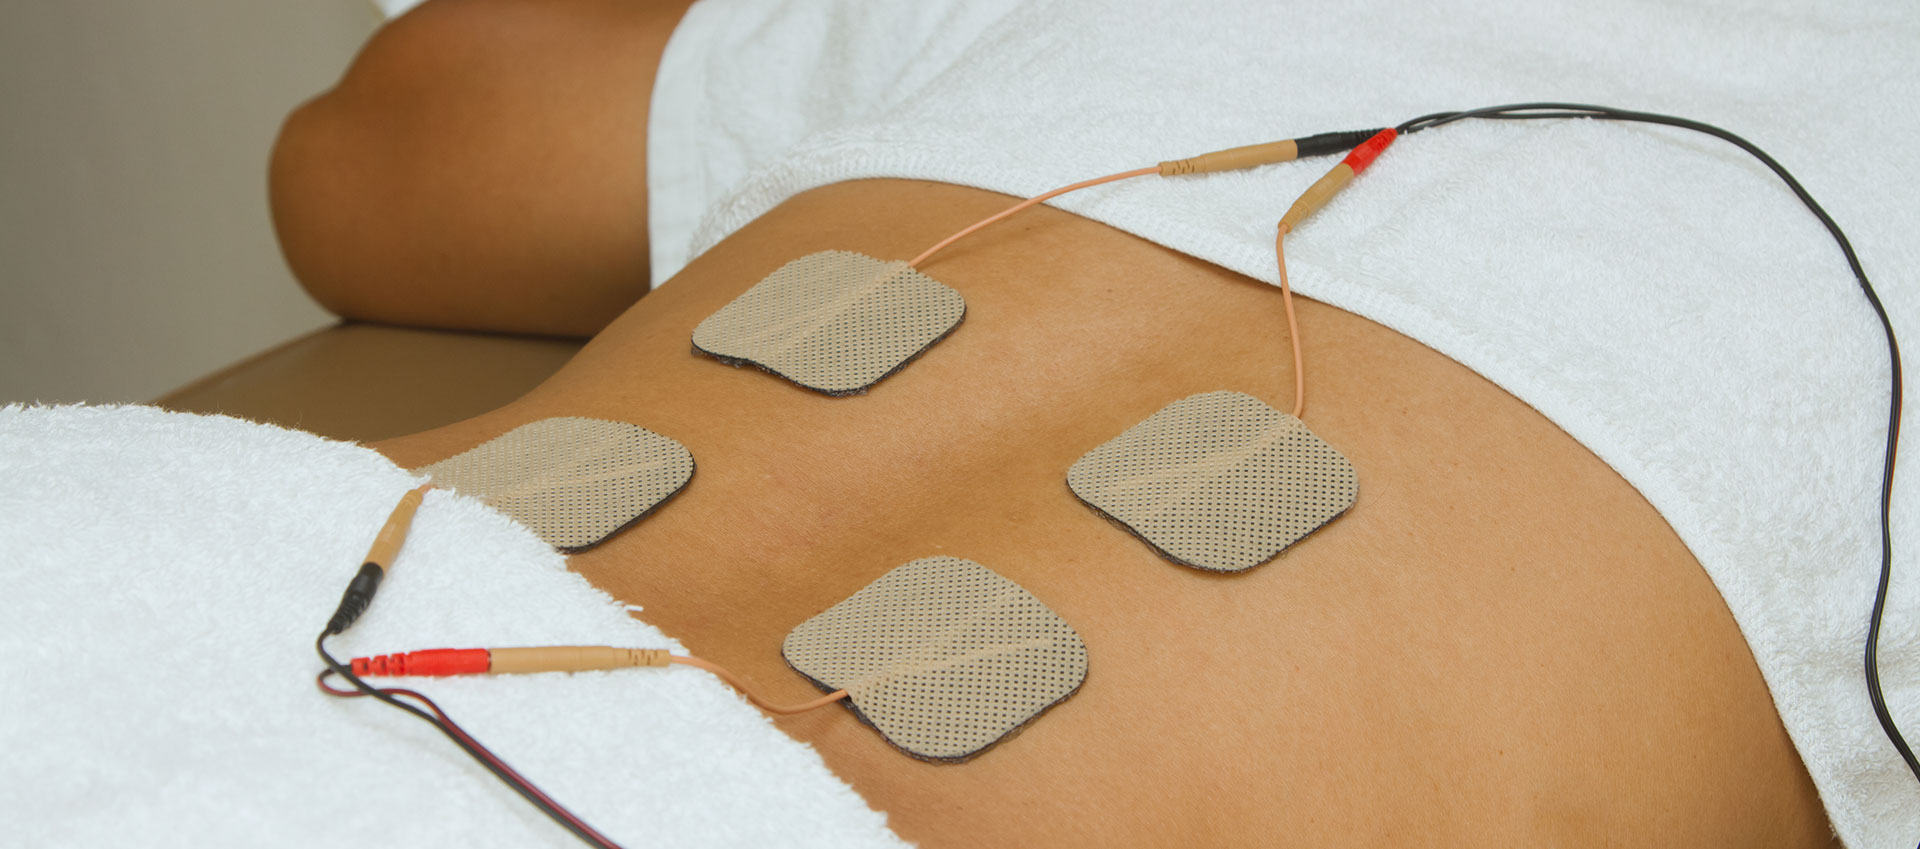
(1324,144)
(359,594)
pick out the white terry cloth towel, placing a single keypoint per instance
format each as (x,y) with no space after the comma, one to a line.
(166,575)
(1655,292)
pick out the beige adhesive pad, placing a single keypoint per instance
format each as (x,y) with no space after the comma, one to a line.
(1218,481)
(835,322)
(943,656)
(573,481)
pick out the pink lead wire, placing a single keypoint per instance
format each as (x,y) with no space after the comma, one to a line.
(1036,199)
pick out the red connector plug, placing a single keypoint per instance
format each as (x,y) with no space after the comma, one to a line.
(1369,150)
(438,662)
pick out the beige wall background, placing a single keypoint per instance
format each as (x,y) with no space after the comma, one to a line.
(136,252)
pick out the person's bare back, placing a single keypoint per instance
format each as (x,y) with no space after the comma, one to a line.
(1501,643)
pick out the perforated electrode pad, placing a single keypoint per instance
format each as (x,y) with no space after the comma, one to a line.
(834,322)
(1217,481)
(573,481)
(943,656)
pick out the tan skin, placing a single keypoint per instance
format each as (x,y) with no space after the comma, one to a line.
(1502,643)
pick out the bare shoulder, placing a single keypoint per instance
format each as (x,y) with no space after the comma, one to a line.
(480,166)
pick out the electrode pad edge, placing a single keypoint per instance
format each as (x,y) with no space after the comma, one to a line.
(835,322)
(575,482)
(943,656)
(1218,481)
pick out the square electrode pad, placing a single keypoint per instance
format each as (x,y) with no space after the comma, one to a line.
(834,322)
(573,481)
(943,656)
(1217,481)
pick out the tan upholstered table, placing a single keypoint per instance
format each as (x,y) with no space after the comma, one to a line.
(365,382)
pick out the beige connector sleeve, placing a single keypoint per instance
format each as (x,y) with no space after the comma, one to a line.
(386,544)
(1316,196)
(1233,158)
(572,658)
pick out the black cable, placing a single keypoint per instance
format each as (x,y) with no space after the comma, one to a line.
(1522,111)
(565,819)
